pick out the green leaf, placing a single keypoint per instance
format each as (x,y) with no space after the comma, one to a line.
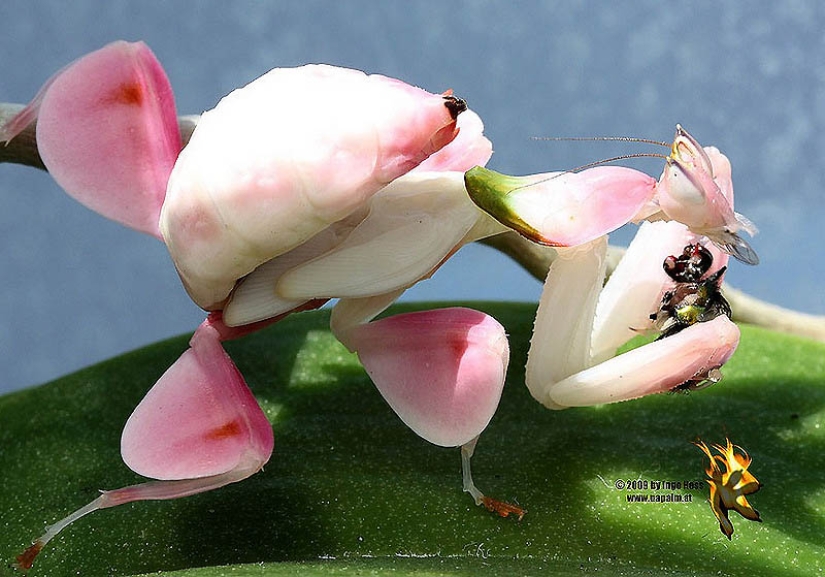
(351,491)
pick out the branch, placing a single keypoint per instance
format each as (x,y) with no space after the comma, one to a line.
(23,148)
(748,309)
(534,258)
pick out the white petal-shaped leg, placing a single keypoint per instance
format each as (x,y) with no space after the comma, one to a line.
(407,253)
(413,225)
(256,297)
(562,369)
(199,428)
(560,345)
(690,355)
(349,313)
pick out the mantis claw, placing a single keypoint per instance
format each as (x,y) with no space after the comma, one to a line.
(501,508)
(697,335)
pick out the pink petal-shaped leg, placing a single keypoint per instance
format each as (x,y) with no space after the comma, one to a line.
(441,371)
(199,428)
(107,131)
(663,365)
(218,425)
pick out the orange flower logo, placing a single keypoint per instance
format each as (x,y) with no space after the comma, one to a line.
(730,481)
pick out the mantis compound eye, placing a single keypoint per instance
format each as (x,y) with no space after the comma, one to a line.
(686,150)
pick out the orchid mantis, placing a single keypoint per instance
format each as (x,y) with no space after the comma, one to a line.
(286,197)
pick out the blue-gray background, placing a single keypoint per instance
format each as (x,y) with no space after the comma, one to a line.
(747,77)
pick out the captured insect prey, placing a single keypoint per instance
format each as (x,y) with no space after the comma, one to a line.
(693,299)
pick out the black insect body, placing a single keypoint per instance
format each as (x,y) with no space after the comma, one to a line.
(694,299)
(690,266)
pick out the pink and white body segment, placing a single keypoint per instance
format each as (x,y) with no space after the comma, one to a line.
(563,208)
(278,161)
(401,235)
